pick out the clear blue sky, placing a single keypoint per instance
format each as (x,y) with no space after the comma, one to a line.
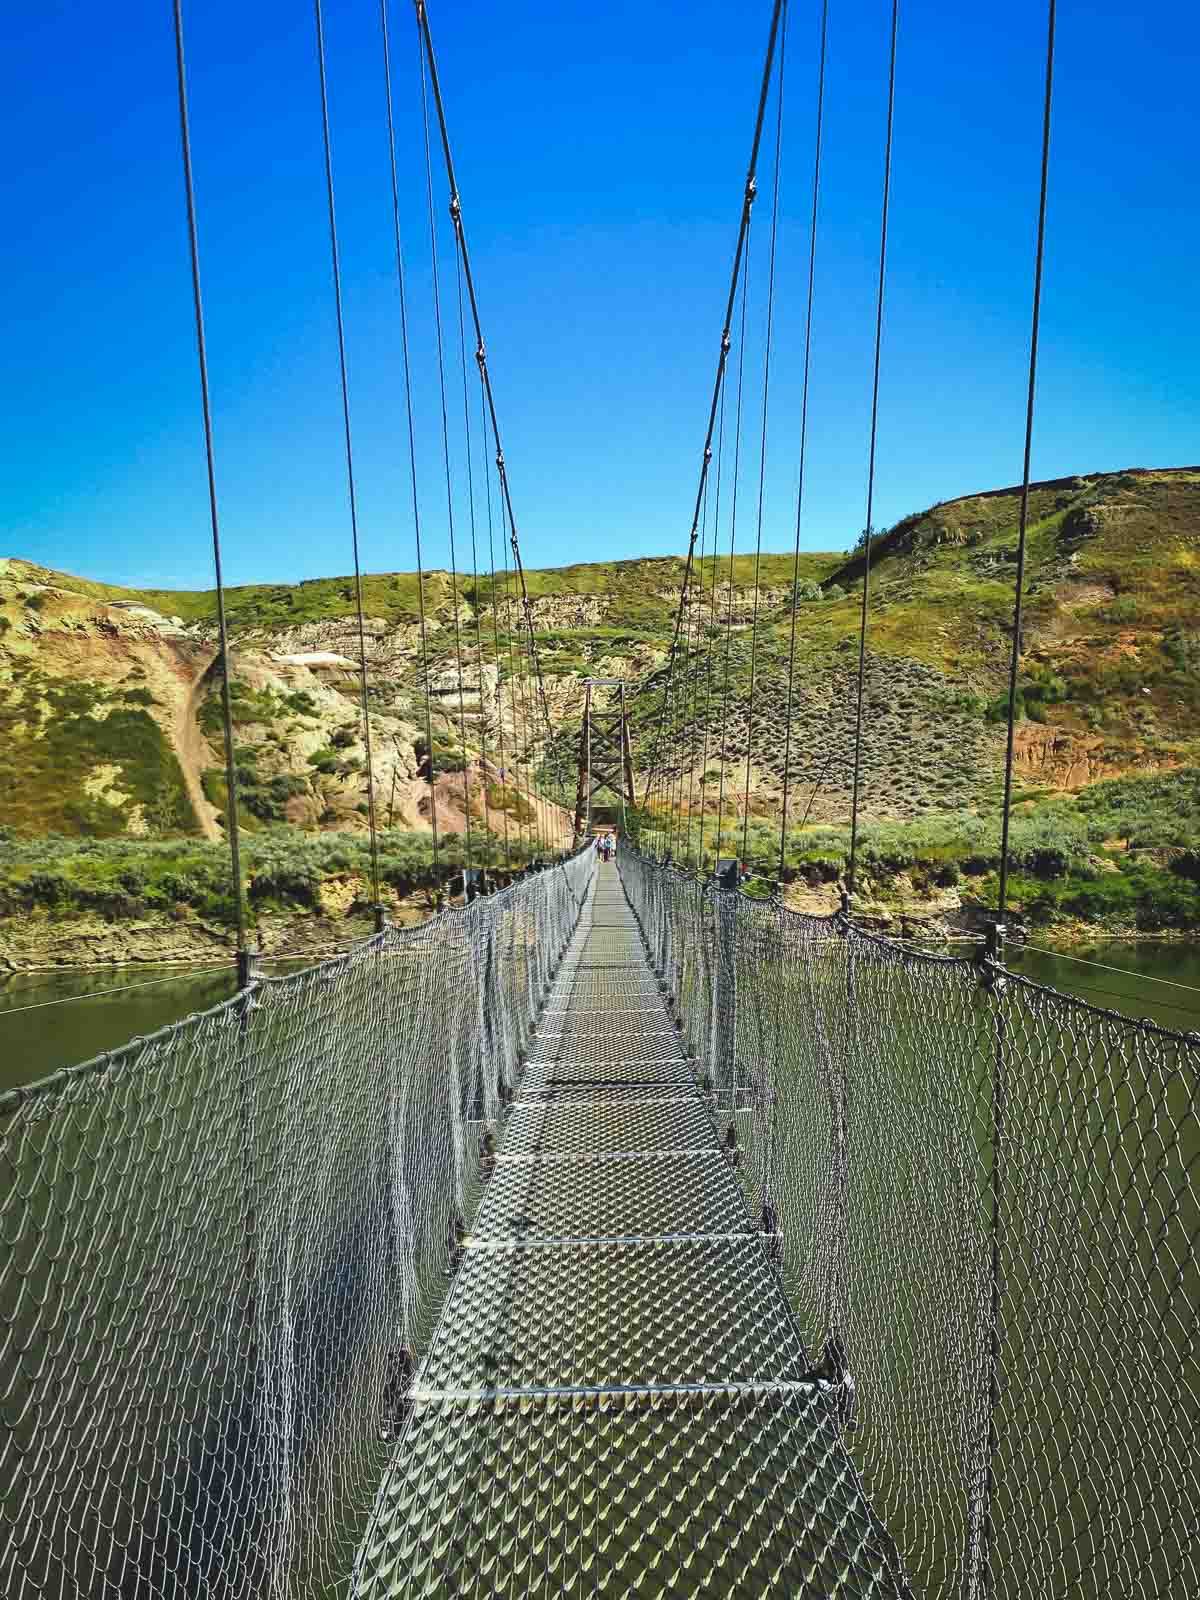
(601,153)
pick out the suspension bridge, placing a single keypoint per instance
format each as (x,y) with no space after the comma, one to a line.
(615,1231)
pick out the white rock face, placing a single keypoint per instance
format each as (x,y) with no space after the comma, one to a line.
(314,658)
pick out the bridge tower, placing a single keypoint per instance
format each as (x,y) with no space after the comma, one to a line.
(605,761)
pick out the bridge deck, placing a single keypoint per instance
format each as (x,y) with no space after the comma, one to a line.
(615,1401)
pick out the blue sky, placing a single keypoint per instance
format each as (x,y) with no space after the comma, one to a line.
(601,154)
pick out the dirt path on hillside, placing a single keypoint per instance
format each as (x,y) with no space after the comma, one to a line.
(193,753)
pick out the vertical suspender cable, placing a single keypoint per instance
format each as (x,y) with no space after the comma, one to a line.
(1000,1071)
(502,471)
(231,805)
(441,368)
(408,406)
(737,466)
(808,318)
(462,345)
(712,631)
(1015,654)
(862,629)
(743,240)
(487,481)
(762,449)
(341,341)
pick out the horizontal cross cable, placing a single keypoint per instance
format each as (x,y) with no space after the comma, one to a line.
(609,1155)
(604,1240)
(606,1391)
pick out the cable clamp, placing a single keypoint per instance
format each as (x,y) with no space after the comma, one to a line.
(455,208)
(707,458)
(481,355)
(751,189)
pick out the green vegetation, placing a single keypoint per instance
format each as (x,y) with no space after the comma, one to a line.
(1123,854)
(284,871)
(78,758)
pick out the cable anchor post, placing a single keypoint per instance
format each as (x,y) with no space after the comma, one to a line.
(990,960)
(249,970)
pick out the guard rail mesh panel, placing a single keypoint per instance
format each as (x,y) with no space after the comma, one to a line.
(988,1194)
(213,1239)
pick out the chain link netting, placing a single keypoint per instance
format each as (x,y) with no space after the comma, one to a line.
(986,1200)
(214,1242)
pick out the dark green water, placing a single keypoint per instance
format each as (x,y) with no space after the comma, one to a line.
(52,1020)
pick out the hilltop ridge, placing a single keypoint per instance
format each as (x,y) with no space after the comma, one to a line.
(1110,679)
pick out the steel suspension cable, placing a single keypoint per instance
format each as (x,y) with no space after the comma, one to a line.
(1018,599)
(808,321)
(762,450)
(335,261)
(749,193)
(441,371)
(408,407)
(231,792)
(862,630)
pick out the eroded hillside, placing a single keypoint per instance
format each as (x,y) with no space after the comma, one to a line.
(109,698)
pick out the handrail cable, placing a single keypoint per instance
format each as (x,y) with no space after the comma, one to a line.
(1105,966)
(808,320)
(751,189)
(408,406)
(441,372)
(481,349)
(1018,597)
(335,261)
(866,595)
(231,788)
(762,449)
(124,988)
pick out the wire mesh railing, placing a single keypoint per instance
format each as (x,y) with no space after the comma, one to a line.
(986,1198)
(214,1242)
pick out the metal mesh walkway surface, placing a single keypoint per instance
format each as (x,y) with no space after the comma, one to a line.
(616,1400)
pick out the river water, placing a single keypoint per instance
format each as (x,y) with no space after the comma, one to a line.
(52,1020)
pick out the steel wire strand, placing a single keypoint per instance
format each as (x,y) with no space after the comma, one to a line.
(806,370)
(231,784)
(731,300)
(879,298)
(487,482)
(762,450)
(1019,580)
(462,345)
(712,626)
(737,458)
(441,371)
(335,264)
(481,350)
(408,411)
